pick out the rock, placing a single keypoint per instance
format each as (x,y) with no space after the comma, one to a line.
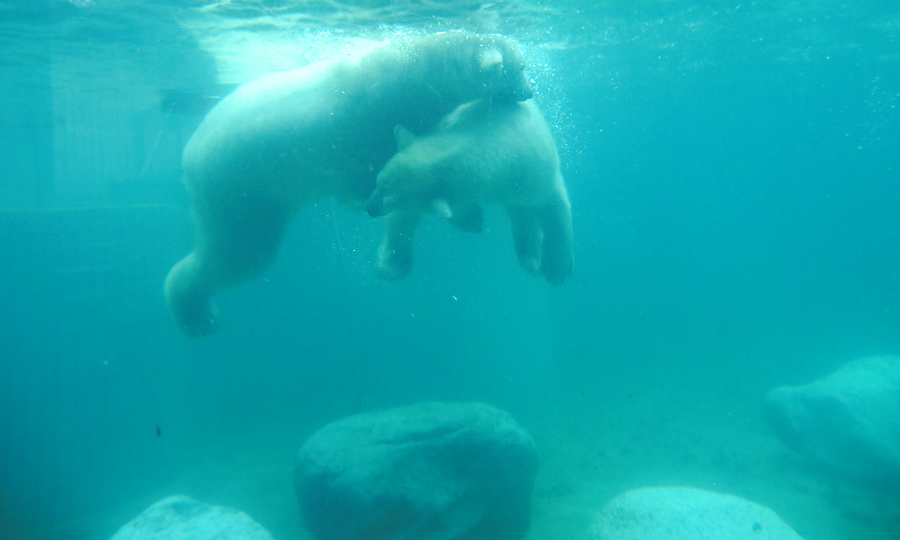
(661,513)
(848,422)
(432,471)
(182,518)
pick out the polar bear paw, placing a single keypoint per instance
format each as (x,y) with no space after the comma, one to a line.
(201,322)
(394,263)
(193,308)
(196,317)
(556,265)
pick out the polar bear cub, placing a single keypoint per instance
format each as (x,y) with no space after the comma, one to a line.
(485,151)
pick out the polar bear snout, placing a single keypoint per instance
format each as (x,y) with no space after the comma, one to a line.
(519,92)
(512,84)
(505,64)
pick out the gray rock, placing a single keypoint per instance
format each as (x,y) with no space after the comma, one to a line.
(848,422)
(182,518)
(432,471)
(662,513)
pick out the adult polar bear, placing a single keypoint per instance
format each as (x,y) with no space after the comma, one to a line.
(283,141)
(485,151)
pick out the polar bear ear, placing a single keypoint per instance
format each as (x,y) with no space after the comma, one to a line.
(489,59)
(403,137)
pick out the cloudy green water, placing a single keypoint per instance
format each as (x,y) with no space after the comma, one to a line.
(735,182)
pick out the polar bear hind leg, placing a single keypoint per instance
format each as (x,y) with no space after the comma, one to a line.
(557,260)
(543,238)
(527,237)
(235,242)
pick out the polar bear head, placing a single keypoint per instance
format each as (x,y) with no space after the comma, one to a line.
(418,177)
(492,65)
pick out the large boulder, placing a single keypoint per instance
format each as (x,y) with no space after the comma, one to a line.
(676,513)
(848,422)
(432,471)
(182,518)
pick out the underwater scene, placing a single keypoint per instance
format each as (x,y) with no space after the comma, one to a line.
(426,270)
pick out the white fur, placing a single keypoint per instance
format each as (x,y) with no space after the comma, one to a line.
(483,152)
(288,139)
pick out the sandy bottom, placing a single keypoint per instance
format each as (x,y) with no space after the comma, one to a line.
(591,451)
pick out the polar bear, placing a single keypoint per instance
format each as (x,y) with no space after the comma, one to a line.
(283,141)
(485,151)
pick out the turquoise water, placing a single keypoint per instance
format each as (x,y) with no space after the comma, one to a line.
(735,183)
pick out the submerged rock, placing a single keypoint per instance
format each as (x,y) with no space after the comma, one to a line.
(182,518)
(848,422)
(432,471)
(676,513)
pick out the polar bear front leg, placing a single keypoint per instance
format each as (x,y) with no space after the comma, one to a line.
(468,218)
(395,256)
(557,253)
